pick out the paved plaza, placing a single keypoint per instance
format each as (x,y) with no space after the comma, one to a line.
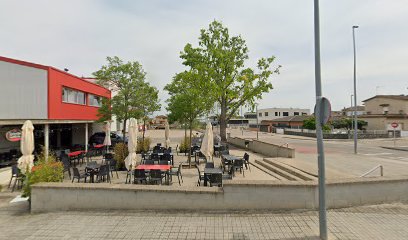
(368,222)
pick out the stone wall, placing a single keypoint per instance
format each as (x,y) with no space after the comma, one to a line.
(265,148)
(234,195)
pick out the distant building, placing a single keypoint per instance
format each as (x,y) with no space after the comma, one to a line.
(274,113)
(159,122)
(383,110)
(349,112)
(286,122)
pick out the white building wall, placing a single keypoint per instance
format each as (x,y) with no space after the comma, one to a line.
(23,92)
(274,113)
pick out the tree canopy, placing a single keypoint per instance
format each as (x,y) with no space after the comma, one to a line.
(219,60)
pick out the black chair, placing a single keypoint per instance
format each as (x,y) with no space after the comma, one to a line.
(108,156)
(89,154)
(164,162)
(67,164)
(200,177)
(156,176)
(139,176)
(246,161)
(215,180)
(112,166)
(149,162)
(154,156)
(18,178)
(209,165)
(238,165)
(103,174)
(128,176)
(176,171)
(77,175)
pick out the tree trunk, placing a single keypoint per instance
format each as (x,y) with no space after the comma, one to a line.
(223,121)
(189,145)
(124,130)
(144,129)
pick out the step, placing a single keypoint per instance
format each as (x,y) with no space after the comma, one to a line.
(265,170)
(283,175)
(289,169)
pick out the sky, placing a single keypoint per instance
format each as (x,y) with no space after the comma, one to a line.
(80,34)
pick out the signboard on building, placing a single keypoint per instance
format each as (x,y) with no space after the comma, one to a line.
(13,135)
(394,125)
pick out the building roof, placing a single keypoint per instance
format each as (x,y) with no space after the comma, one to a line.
(289,119)
(397,97)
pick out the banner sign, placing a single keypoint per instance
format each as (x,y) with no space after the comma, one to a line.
(13,135)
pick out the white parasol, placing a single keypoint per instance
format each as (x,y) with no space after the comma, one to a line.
(26,162)
(107,141)
(131,159)
(207,145)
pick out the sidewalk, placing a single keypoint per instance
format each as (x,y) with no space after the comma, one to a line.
(369,222)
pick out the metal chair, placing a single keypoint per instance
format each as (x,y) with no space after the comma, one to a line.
(200,176)
(67,164)
(176,171)
(104,174)
(246,161)
(209,165)
(139,176)
(215,180)
(156,176)
(18,178)
(77,175)
(238,165)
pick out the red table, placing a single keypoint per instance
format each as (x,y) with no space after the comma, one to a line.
(154,167)
(75,154)
(99,146)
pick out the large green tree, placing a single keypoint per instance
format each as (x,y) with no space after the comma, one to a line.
(132,95)
(188,99)
(220,59)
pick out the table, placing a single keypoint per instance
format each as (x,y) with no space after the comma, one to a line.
(93,168)
(98,146)
(164,168)
(231,158)
(210,171)
(75,154)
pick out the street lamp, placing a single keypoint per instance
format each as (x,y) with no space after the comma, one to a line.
(351,108)
(355,93)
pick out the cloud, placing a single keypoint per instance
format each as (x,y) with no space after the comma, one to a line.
(80,34)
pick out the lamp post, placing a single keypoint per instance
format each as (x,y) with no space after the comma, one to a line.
(355,93)
(351,107)
(319,132)
(257,125)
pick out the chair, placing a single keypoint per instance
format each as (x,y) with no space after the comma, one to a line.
(139,176)
(246,161)
(89,154)
(154,157)
(149,162)
(67,164)
(104,172)
(238,165)
(164,162)
(156,176)
(209,165)
(128,176)
(200,177)
(176,171)
(77,175)
(107,156)
(216,180)
(18,178)
(112,166)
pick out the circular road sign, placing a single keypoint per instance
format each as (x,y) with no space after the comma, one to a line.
(323,110)
(394,125)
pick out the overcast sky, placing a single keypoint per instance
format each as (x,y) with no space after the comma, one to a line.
(79,34)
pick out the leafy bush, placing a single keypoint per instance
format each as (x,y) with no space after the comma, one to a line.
(44,171)
(184,145)
(121,152)
(143,146)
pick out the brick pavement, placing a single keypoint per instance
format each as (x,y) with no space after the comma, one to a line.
(369,222)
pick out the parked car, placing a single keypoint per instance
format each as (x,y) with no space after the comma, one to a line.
(99,137)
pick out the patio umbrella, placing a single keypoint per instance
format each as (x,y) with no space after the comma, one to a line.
(131,160)
(107,141)
(207,145)
(26,162)
(167,134)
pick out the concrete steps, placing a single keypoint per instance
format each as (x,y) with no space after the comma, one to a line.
(283,171)
(265,170)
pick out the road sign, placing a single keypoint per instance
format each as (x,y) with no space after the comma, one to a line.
(394,125)
(323,110)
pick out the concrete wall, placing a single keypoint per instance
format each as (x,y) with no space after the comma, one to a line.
(267,149)
(235,195)
(23,92)
(396,106)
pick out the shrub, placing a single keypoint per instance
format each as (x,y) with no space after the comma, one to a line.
(184,145)
(44,171)
(121,152)
(143,146)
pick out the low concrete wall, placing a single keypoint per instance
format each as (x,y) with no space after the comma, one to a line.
(361,135)
(234,195)
(265,148)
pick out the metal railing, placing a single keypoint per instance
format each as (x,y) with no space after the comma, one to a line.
(373,169)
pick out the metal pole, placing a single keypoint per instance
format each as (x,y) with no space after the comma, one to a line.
(355,94)
(319,133)
(46,140)
(351,107)
(257,125)
(86,137)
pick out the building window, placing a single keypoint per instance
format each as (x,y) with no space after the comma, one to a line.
(94,100)
(285,114)
(73,96)
(296,114)
(260,114)
(276,113)
(304,114)
(266,114)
